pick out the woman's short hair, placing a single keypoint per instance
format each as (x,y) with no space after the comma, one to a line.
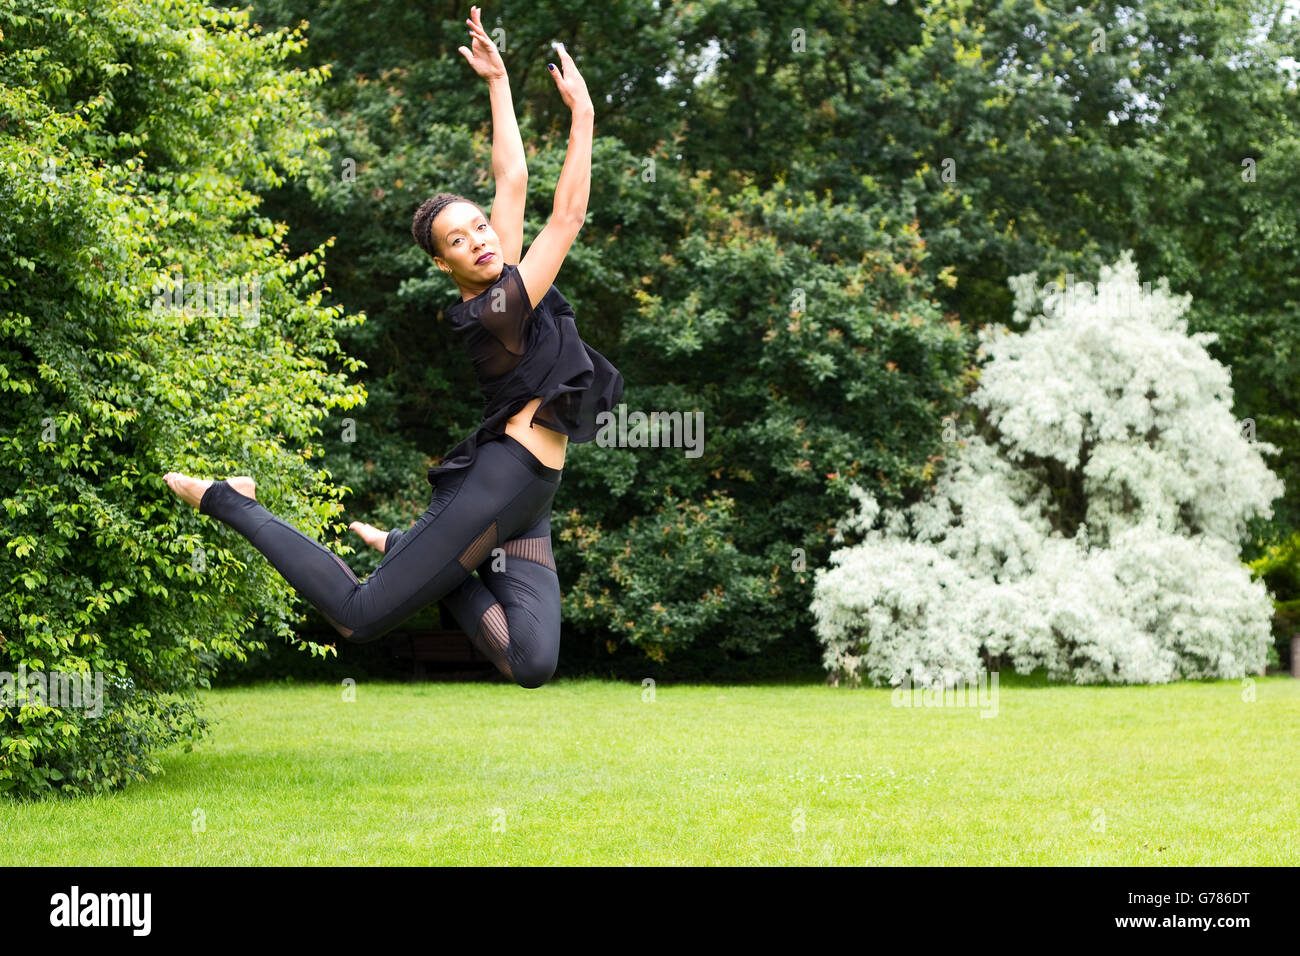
(422,222)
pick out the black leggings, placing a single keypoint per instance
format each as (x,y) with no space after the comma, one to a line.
(493,517)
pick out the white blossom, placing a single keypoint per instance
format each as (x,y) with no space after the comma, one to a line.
(1095,534)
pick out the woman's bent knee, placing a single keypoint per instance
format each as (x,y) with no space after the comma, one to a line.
(370,631)
(533,673)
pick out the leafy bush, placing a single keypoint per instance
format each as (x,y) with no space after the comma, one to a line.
(1089,524)
(129,136)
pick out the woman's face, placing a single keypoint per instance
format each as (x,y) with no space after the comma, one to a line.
(463,237)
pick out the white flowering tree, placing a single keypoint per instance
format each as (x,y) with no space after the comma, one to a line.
(1089,521)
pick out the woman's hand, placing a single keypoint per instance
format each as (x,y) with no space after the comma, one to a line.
(573,88)
(484,59)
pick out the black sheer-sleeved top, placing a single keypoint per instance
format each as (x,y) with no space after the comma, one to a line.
(520,352)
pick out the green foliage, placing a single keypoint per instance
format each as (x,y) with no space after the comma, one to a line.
(1279,568)
(130,139)
(801,333)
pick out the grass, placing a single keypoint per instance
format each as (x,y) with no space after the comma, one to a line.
(587,772)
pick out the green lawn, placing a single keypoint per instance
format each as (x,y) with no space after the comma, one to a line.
(586,772)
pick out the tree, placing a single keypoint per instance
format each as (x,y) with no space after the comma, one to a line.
(1090,521)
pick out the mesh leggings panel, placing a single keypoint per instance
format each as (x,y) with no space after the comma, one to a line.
(531,549)
(493,635)
(512,612)
(479,549)
(493,638)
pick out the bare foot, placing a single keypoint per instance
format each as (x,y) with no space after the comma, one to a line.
(370,535)
(244,485)
(190,490)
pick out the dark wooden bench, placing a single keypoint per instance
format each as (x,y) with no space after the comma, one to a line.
(447,650)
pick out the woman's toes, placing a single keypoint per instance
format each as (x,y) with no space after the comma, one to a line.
(190,490)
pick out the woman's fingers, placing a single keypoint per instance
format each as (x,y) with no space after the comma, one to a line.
(559,77)
(570,68)
(564,70)
(562,86)
(480,35)
(574,85)
(475,23)
(566,61)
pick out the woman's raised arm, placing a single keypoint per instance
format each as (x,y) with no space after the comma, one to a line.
(509,165)
(547,252)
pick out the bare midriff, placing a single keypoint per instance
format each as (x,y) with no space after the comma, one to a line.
(548,445)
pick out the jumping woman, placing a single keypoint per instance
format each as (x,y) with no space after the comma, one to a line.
(483,547)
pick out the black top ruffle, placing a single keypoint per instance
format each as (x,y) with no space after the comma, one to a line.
(520,352)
